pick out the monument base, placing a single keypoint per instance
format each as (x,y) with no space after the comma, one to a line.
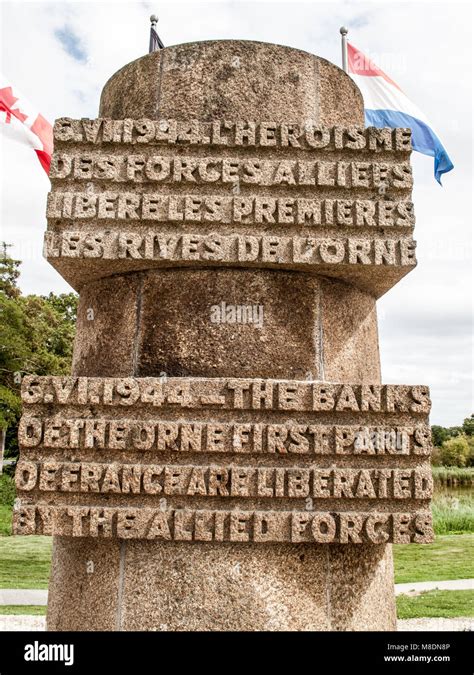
(172,586)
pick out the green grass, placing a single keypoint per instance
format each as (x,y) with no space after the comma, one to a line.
(7,497)
(453,476)
(25,562)
(5,520)
(453,514)
(429,604)
(444,604)
(449,557)
(29,610)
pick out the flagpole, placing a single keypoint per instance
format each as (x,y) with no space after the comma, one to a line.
(343,31)
(155,41)
(153,21)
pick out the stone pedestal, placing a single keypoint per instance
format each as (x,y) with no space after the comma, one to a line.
(151,317)
(169,586)
(159,322)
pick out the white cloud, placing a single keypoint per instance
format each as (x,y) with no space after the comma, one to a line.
(425,320)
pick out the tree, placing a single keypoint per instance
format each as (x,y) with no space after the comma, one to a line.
(9,273)
(13,350)
(65,305)
(468,425)
(36,337)
(470,442)
(49,333)
(455,451)
(439,435)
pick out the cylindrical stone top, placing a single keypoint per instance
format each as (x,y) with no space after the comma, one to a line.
(236,79)
(231,154)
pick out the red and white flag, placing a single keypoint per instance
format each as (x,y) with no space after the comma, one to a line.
(21,121)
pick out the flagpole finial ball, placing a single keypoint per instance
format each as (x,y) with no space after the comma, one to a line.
(154,18)
(343,30)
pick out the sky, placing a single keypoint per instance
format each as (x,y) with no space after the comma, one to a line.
(61,54)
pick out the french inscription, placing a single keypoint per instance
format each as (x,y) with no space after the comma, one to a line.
(232,181)
(123,206)
(242,249)
(230,133)
(162,169)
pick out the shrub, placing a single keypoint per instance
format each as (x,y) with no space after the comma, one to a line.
(7,490)
(455,451)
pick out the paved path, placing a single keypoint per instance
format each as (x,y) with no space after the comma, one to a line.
(415,588)
(434,625)
(22,622)
(22,596)
(25,596)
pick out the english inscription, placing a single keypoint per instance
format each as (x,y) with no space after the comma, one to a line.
(298,460)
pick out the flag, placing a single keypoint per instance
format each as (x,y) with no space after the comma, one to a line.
(386,105)
(21,121)
(155,42)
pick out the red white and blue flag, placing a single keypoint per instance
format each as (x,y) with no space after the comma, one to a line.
(22,122)
(386,105)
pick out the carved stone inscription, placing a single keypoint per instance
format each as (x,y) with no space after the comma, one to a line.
(336,201)
(224,460)
(229,133)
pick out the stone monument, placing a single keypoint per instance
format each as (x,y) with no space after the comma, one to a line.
(224,456)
